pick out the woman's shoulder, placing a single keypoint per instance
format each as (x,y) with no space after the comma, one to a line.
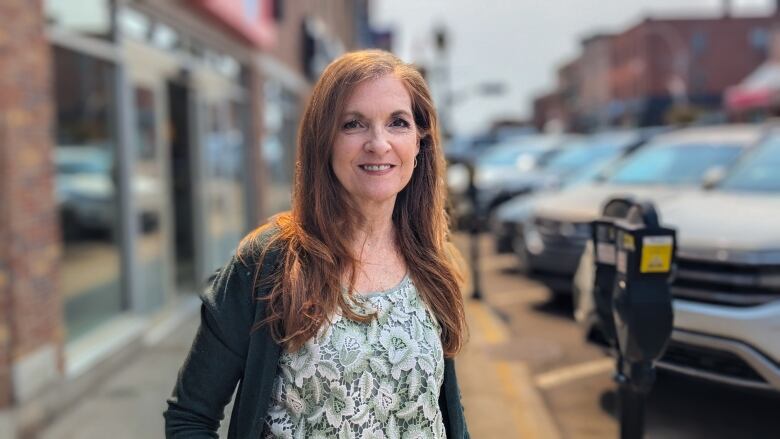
(259,248)
(234,289)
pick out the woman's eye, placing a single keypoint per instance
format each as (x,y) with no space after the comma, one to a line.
(400,122)
(352,124)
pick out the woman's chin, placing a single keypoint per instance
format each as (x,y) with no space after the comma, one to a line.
(377,197)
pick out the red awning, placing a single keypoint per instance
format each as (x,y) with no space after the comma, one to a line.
(251,21)
(738,99)
(761,89)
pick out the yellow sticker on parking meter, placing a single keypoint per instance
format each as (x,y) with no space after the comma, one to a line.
(656,254)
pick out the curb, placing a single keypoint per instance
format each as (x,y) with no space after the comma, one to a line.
(530,415)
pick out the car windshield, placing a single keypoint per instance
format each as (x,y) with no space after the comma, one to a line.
(758,171)
(674,163)
(579,156)
(509,155)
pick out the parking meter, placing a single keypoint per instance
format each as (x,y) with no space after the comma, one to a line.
(634,260)
(603,234)
(642,301)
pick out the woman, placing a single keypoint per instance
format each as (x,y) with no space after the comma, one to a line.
(340,318)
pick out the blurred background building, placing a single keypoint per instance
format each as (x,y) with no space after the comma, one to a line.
(139,141)
(660,70)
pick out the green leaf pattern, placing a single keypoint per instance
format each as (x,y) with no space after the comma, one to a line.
(375,380)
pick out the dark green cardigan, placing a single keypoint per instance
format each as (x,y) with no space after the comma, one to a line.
(226,352)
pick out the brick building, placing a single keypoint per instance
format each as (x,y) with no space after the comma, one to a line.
(636,76)
(138,142)
(30,306)
(595,92)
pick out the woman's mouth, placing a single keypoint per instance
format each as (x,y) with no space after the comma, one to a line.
(376,168)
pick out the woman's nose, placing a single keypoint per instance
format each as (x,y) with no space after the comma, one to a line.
(378,142)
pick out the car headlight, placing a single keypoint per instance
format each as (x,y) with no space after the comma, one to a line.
(532,238)
(567,229)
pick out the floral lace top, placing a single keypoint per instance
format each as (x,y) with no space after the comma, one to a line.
(354,380)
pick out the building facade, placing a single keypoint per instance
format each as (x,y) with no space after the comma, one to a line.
(139,141)
(644,75)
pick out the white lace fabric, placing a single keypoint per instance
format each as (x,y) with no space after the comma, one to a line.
(359,381)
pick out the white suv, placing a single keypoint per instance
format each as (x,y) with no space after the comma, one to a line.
(727,285)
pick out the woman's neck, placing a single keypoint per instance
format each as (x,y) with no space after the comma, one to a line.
(375,234)
(376,231)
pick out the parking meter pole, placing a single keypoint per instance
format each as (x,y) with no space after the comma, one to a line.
(474,234)
(632,412)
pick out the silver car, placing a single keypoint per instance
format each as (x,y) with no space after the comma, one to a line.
(553,238)
(727,285)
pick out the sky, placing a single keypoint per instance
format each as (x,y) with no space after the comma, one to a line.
(519,43)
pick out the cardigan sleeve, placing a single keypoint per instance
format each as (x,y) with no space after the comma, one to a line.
(215,362)
(450,403)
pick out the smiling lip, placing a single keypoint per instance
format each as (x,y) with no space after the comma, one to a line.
(376,168)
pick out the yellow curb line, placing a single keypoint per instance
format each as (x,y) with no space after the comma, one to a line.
(492,328)
(528,409)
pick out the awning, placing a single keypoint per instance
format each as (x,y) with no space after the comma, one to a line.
(761,89)
(251,20)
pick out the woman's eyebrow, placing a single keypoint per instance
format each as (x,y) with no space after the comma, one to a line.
(401,113)
(357,114)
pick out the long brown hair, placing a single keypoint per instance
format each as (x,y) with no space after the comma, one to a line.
(314,239)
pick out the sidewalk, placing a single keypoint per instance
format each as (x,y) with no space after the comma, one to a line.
(129,405)
(500,398)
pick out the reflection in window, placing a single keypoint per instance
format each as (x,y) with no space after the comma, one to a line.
(149,194)
(86,188)
(224,183)
(281,120)
(145,121)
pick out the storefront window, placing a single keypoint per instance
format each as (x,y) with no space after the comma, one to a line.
(225,184)
(88,17)
(86,187)
(149,192)
(281,121)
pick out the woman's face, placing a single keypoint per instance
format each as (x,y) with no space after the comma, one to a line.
(373,154)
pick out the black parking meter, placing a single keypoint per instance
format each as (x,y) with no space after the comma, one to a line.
(641,304)
(603,233)
(642,301)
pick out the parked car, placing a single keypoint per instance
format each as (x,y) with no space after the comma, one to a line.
(726,290)
(466,148)
(542,173)
(517,156)
(578,164)
(553,238)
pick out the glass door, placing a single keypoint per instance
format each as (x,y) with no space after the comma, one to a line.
(150,181)
(87,189)
(223,161)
